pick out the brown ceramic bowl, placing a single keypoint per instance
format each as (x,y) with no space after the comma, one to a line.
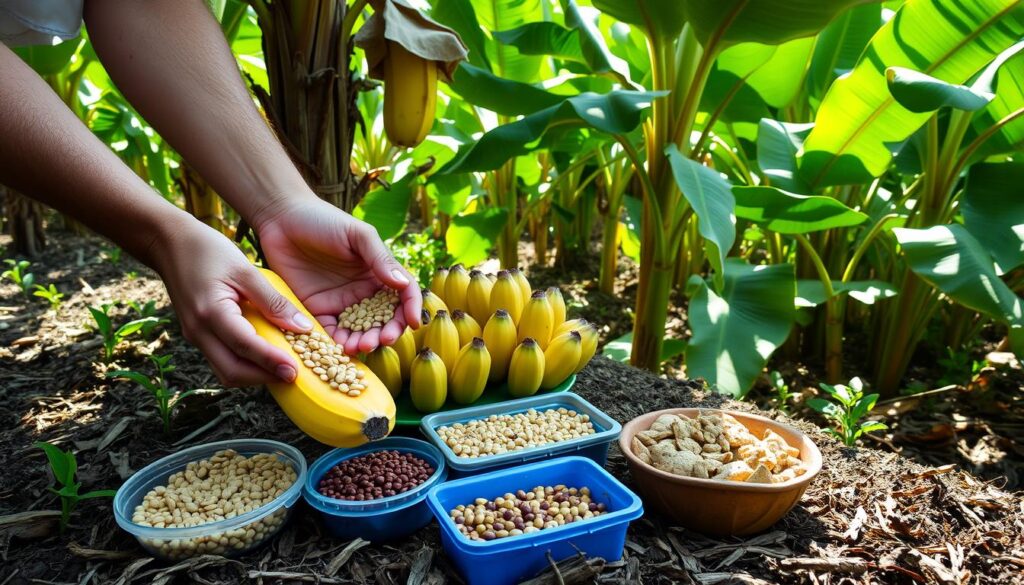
(716,507)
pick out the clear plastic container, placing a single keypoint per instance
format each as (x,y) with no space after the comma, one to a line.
(228,537)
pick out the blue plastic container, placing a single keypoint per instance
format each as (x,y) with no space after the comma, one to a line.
(513,559)
(593,446)
(383,519)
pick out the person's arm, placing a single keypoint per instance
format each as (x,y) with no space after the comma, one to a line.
(170,59)
(48,154)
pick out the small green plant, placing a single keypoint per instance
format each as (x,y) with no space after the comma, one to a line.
(166,398)
(421,253)
(64,467)
(781,388)
(51,294)
(958,367)
(18,274)
(112,337)
(850,406)
(111,254)
(131,275)
(147,311)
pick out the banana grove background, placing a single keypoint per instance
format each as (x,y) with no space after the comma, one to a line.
(832,184)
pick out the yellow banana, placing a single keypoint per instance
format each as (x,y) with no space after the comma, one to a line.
(471,370)
(405,347)
(478,296)
(526,369)
(466,325)
(384,362)
(557,302)
(410,96)
(443,338)
(455,288)
(419,334)
(433,303)
(536,321)
(437,282)
(491,277)
(500,338)
(524,285)
(428,381)
(561,358)
(567,326)
(506,295)
(589,336)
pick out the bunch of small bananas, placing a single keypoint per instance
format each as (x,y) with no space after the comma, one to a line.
(524,340)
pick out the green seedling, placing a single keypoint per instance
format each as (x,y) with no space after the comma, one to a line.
(850,406)
(166,398)
(958,367)
(51,294)
(64,467)
(112,337)
(18,274)
(781,391)
(111,254)
(147,311)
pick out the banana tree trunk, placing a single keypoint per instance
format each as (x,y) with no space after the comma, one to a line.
(201,200)
(24,223)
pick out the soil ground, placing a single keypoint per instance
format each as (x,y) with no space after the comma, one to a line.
(872,515)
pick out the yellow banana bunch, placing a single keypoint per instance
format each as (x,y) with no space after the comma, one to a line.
(443,338)
(589,337)
(500,338)
(433,303)
(410,96)
(469,376)
(466,325)
(567,326)
(526,369)
(428,381)
(524,285)
(419,334)
(437,282)
(405,347)
(455,288)
(478,296)
(557,303)
(561,358)
(536,321)
(384,362)
(507,295)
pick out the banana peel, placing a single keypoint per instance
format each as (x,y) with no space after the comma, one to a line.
(327,415)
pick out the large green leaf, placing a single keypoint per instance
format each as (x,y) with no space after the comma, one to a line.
(544,38)
(788,213)
(470,237)
(712,202)
(1009,99)
(498,15)
(920,93)
(621,348)
(386,209)
(664,18)
(859,118)
(994,216)
(734,333)
(504,96)
(811,293)
(460,16)
(49,59)
(596,53)
(764,21)
(780,79)
(950,258)
(840,44)
(617,112)
(777,146)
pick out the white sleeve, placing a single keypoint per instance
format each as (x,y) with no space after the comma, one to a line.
(37,22)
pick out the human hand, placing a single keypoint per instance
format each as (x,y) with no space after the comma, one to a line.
(331,261)
(207,278)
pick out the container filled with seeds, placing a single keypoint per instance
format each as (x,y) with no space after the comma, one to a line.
(377,491)
(493,436)
(505,526)
(223,498)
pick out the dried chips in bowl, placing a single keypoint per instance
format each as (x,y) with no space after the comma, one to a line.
(715,445)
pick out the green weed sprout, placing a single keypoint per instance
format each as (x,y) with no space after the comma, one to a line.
(19,275)
(846,413)
(51,294)
(64,467)
(111,336)
(166,398)
(147,311)
(781,390)
(111,254)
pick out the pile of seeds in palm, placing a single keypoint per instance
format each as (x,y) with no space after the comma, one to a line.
(370,312)
(327,359)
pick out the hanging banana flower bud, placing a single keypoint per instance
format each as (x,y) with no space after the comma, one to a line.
(408,51)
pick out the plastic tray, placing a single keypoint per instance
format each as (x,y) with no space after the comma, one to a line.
(593,446)
(177,543)
(510,560)
(383,519)
(407,415)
